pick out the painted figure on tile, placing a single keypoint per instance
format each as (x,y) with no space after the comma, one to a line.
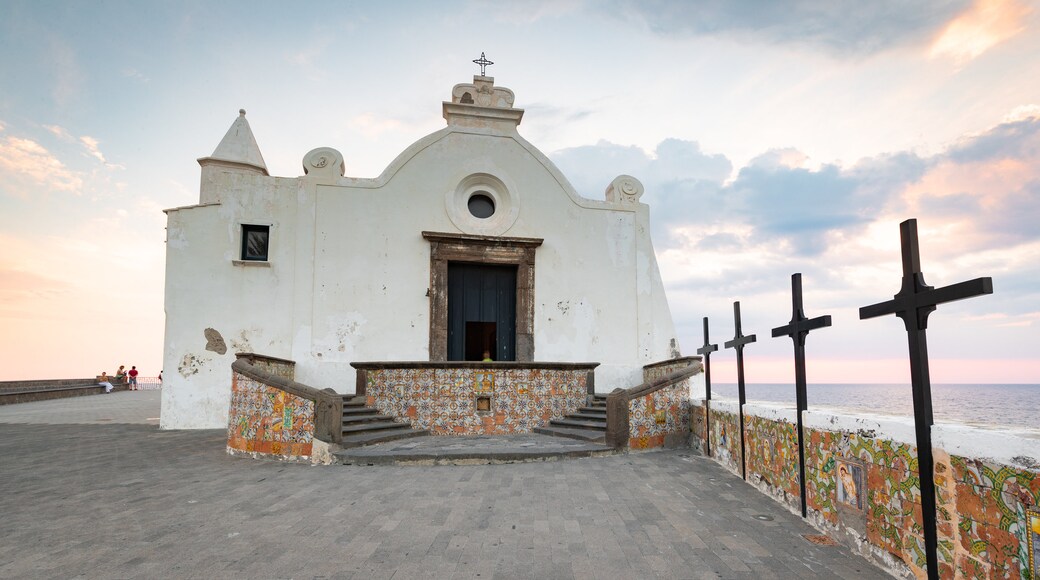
(850,482)
(483,381)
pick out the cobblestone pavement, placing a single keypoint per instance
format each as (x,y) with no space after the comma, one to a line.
(125,500)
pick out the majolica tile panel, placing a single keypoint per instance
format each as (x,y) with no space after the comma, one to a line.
(269,421)
(660,417)
(484,401)
(772,457)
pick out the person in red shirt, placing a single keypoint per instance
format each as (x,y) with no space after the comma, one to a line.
(133,379)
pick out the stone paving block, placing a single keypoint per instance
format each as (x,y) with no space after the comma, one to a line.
(125,500)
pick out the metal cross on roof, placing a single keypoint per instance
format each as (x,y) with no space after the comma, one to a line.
(798,329)
(706,350)
(483,62)
(739,342)
(914,302)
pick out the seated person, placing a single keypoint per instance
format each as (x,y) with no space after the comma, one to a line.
(104,382)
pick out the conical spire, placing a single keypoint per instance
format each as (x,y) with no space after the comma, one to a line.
(238,147)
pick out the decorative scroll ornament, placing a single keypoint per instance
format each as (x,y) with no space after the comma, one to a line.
(324,161)
(624,189)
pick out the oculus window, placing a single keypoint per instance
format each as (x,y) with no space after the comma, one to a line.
(481,205)
(255,242)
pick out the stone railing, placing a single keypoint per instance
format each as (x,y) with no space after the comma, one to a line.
(863,487)
(274,416)
(657,412)
(476,398)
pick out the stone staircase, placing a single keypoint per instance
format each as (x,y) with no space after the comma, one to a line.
(588,424)
(364,425)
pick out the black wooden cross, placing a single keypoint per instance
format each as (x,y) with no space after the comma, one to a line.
(706,350)
(914,302)
(483,62)
(798,329)
(738,342)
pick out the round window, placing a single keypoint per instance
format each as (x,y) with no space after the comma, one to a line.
(481,205)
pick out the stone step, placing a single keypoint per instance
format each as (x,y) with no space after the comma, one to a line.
(598,411)
(566,423)
(586,415)
(369,416)
(361,439)
(354,402)
(590,435)
(373,426)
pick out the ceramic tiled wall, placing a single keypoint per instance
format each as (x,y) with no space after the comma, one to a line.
(268,421)
(445,401)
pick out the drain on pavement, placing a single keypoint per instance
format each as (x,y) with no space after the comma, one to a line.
(820,540)
(763,517)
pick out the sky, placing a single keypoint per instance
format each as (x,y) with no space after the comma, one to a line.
(771,138)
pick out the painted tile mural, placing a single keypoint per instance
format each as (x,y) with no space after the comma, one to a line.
(772,457)
(660,418)
(445,401)
(725,439)
(269,421)
(998,521)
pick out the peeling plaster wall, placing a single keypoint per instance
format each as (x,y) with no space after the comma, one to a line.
(215,307)
(349,269)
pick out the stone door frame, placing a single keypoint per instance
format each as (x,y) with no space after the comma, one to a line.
(491,250)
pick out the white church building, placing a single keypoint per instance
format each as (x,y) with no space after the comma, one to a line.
(470,245)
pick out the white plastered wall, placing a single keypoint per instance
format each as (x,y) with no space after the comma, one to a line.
(349,270)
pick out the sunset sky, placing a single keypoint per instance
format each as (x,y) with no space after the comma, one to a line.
(771,138)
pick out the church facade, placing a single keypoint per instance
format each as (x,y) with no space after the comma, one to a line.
(471,245)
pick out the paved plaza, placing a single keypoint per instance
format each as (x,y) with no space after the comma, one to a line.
(93,489)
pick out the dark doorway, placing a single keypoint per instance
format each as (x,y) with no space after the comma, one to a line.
(481,337)
(481,312)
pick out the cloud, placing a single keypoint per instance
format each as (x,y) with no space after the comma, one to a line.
(839,27)
(26,162)
(91,145)
(60,132)
(984,25)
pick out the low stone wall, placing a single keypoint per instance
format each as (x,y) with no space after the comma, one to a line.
(658,370)
(656,413)
(41,390)
(460,398)
(273,416)
(862,486)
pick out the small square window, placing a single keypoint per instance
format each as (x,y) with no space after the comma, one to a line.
(254,242)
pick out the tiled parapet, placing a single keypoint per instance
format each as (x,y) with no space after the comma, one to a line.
(772,451)
(725,433)
(863,487)
(272,415)
(267,421)
(460,398)
(992,480)
(656,413)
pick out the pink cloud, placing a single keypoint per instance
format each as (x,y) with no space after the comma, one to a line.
(25,160)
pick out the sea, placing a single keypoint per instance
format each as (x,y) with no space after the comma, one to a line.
(1012,406)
